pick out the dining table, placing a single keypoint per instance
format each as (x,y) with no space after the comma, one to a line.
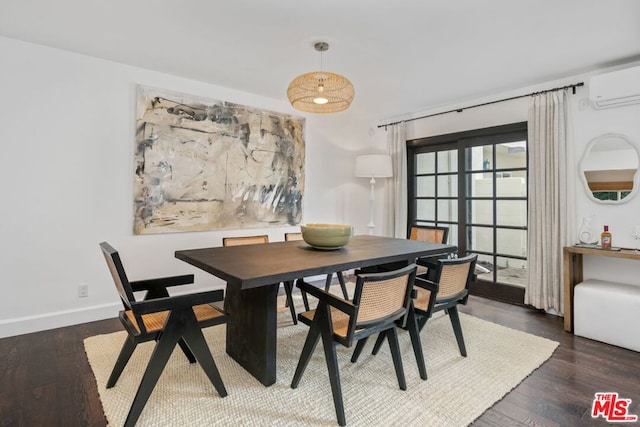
(253,274)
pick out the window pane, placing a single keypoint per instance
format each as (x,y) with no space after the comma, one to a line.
(511,186)
(452,239)
(426,186)
(511,155)
(481,184)
(511,242)
(425,210)
(605,195)
(512,271)
(485,267)
(447,210)
(480,239)
(448,161)
(511,212)
(426,163)
(480,158)
(447,185)
(481,212)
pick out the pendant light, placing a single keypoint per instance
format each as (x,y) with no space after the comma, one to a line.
(320,91)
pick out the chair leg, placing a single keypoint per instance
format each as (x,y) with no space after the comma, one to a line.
(359,346)
(457,329)
(307,350)
(305,300)
(334,374)
(379,341)
(161,353)
(343,286)
(125,354)
(392,337)
(414,333)
(327,283)
(288,289)
(193,336)
(187,351)
(422,320)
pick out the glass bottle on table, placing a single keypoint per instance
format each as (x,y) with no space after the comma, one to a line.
(605,238)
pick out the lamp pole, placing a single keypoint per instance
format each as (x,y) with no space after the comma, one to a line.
(372,199)
(373,166)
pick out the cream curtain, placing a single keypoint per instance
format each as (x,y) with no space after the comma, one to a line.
(396,218)
(551,198)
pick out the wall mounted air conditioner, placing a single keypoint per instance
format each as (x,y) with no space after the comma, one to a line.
(615,89)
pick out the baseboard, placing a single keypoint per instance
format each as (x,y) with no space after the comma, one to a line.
(58,319)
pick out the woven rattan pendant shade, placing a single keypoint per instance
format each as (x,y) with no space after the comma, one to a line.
(320,91)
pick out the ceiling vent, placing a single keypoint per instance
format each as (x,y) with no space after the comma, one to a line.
(615,89)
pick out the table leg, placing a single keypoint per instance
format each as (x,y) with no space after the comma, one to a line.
(251,329)
(572,265)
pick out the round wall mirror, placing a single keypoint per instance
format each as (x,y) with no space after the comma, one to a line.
(609,169)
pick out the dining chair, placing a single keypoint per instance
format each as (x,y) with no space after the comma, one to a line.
(430,234)
(260,239)
(453,277)
(167,320)
(288,237)
(379,301)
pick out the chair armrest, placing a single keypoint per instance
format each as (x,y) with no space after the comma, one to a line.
(337,302)
(426,284)
(161,282)
(177,302)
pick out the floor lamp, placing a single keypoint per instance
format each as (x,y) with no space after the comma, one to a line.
(373,166)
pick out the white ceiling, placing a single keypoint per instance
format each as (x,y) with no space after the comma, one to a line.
(402,56)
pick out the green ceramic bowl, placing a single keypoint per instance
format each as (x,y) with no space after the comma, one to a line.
(327,236)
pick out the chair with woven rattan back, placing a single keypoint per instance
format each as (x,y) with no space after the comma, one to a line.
(256,240)
(379,301)
(430,234)
(245,240)
(168,320)
(453,278)
(289,237)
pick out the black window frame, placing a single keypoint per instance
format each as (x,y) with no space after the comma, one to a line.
(461,141)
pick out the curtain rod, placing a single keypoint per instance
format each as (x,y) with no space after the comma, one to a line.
(460,110)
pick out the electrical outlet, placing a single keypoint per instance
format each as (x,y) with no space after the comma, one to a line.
(83,290)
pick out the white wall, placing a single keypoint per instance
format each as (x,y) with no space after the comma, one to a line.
(621,218)
(587,124)
(67,135)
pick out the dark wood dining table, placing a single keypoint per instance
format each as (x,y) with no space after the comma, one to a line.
(254,272)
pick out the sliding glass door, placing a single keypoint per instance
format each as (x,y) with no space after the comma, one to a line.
(475,183)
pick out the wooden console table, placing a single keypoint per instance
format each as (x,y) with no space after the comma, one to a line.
(572,259)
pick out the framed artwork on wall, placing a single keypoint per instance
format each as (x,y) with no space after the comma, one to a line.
(203,164)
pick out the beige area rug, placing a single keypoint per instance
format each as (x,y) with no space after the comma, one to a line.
(457,392)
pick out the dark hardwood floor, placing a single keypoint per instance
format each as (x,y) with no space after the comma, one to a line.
(45,379)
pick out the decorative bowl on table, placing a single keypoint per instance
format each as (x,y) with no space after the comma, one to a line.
(326,236)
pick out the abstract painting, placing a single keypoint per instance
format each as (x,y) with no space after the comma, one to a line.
(203,164)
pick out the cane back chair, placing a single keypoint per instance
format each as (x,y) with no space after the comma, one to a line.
(168,320)
(379,300)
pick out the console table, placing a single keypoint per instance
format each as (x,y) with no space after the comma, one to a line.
(572,260)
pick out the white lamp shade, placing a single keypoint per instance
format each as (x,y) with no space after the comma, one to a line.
(374,166)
